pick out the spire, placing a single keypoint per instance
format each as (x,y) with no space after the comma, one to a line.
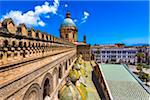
(68,15)
(84,38)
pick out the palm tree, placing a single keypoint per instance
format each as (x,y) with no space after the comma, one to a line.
(140,57)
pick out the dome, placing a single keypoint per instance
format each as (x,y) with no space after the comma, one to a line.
(77,66)
(69,92)
(82,90)
(74,75)
(68,21)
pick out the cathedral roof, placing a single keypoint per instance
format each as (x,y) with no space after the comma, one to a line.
(68,21)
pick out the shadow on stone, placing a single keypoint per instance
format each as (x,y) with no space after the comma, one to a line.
(98,87)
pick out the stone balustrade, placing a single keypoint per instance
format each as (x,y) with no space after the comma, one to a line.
(19,44)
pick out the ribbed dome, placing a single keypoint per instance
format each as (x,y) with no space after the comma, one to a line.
(68,21)
(69,92)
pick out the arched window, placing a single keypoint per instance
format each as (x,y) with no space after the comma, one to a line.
(46,88)
(66,35)
(60,71)
(66,66)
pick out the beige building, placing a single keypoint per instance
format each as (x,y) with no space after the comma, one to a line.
(68,30)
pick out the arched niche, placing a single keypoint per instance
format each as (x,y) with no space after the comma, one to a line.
(33,93)
(55,76)
(47,85)
(60,71)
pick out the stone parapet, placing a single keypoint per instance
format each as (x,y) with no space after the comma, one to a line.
(22,45)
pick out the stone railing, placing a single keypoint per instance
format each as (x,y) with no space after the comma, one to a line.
(17,44)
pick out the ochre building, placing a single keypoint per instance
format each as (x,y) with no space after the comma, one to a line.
(68,30)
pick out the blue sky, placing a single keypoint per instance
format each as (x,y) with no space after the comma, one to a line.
(103,22)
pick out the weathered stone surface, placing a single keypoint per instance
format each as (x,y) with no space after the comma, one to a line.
(30,61)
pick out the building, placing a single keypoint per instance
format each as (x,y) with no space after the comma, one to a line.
(85,51)
(33,64)
(115,54)
(68,30)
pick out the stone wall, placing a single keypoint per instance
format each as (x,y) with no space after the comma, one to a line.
(85,51)
(21,46)
(31,62)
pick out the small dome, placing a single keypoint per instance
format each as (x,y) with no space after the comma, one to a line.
(74,75)
(82,90)
(68,21)
(82,71)
(77,66)
(69,92)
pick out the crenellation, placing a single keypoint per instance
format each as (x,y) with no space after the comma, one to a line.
(9,26)
(22,29)
(21,44)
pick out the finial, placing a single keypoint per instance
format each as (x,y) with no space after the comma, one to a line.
(68,15)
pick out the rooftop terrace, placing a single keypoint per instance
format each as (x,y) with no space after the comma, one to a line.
(121,83)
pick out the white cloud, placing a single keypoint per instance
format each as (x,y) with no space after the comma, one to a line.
(75,20)
(86,15)
(66,5)
(33,17)
(47,16)
(41,23)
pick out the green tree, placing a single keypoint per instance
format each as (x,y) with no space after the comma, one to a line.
(139,67)
(144,77)
(140,57)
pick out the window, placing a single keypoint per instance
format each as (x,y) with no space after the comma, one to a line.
(66,67)
(66,35)
(119,51)
(103,51)
(108,51)
(113,51)
(124,51)
(60,72)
